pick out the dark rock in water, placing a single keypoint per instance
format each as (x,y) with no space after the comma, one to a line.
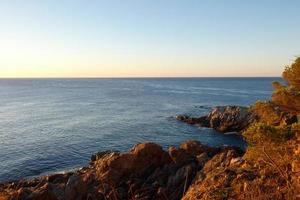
(203,107)
(202,121)
(223,119)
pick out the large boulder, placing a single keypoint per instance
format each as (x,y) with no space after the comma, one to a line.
(141,160)
(149,172)
(230,118)
(223,119)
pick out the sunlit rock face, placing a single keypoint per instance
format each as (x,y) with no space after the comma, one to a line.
(145,172)
(223,119)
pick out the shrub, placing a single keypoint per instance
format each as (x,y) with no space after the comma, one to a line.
(289,96)
(292,74)
(260,133)
(296,128)
(266,112)
(276,85)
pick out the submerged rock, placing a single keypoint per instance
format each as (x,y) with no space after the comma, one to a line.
(223,119)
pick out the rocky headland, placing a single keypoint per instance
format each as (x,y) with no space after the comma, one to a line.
(268,169)
(223,119)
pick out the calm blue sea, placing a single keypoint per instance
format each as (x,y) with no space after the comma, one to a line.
(51,125)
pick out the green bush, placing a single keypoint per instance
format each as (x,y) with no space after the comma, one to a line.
(266,112)
(292,74)
(271,125)
(289,96)
(261,133)
(276,85)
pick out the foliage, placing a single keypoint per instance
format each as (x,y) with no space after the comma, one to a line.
(274,140)
(271,115)
(296,128)
(292,74)
(266,112)
(260,133)
(289,96)
(276,85)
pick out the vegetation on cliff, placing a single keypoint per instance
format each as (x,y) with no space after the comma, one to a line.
(288,96)
(274,139)
(277,120)
(270,167)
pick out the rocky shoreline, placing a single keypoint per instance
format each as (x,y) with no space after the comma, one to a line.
(148,172)
(145,172)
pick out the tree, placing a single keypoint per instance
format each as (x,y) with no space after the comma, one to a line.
(292,74)
(289,96)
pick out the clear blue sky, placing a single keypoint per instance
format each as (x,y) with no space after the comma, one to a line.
(61,38)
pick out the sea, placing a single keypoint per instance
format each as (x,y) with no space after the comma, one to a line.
(55,125)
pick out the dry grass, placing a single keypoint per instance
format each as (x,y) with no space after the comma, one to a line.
(272,163)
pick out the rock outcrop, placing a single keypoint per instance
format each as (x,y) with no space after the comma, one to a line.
(223,119)
(213,181)
(145,172)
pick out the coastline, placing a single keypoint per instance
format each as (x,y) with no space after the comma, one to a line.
(144,163)
(147,171)
(187,160)
(192,170)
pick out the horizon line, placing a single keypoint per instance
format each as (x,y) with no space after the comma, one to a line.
(139,77)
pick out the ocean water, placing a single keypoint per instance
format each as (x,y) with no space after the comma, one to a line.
(52,125)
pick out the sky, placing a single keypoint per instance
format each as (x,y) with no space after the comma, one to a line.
(147,38)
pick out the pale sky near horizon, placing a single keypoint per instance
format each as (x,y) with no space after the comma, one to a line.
(147,38)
